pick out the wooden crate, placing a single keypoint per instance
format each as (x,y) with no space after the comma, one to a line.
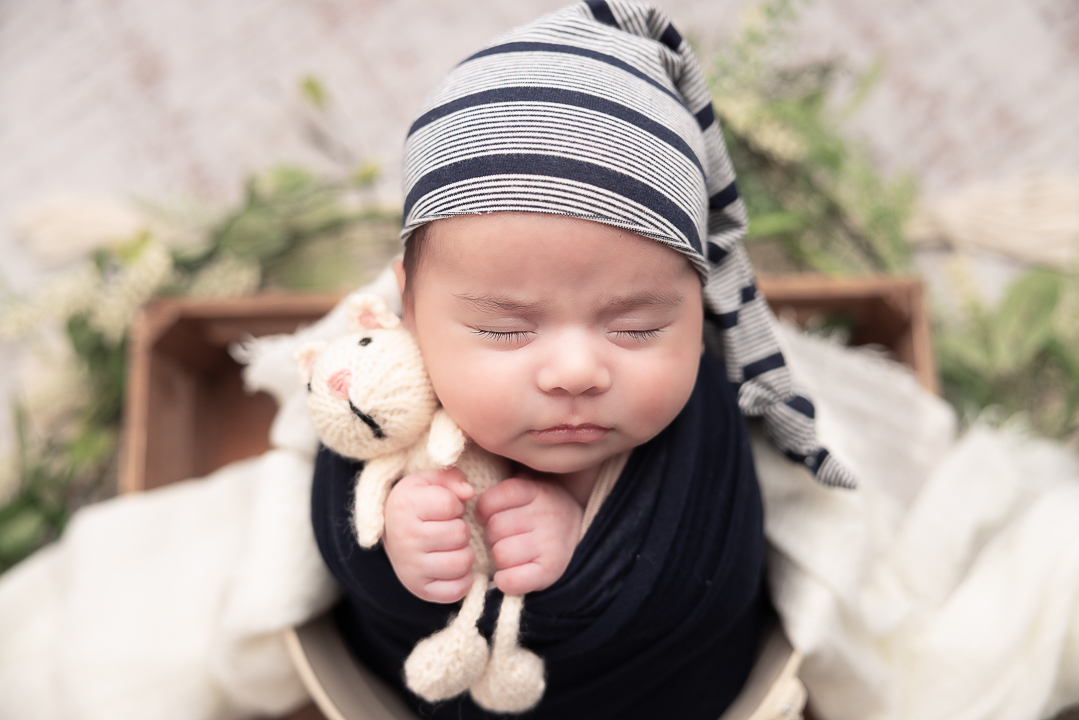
(185,409)
(880,310)
(187,414)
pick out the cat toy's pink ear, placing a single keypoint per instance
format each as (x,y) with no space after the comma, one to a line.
(305,358)
(369,312)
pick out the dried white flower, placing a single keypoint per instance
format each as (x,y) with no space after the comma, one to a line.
(746,116)
(71,293)
(66,228)
(969,298)
(226,276)
(53,386)
(131,287)
(1033,218)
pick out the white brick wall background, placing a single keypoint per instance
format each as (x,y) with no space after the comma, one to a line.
(164,99)
(973,89)
(167,99)
(171,99)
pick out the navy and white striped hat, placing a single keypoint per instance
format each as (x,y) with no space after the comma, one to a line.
(600,111)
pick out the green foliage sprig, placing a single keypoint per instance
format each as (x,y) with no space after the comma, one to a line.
(808,188)
(292,231)
(70,466)
(1021,356)
(814,194)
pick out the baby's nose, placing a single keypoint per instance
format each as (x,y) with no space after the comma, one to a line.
(339,382)
(575,367)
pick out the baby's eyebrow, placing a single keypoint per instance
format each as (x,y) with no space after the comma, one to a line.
(497,303)
(502,304)
(649,299)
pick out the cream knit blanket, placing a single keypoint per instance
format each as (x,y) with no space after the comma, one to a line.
(947,586)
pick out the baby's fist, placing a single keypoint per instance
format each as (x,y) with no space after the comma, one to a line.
(427,538)
(532,527)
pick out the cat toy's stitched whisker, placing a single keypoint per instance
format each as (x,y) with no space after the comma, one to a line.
(368,421)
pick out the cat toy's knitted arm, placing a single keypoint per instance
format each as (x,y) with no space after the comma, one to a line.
(446,441)
(372,489)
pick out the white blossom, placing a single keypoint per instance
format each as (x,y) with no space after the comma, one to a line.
(746,116)
(226,276)
(1032,218)
(133,285)
(53,386)
(72,293)
(63,229)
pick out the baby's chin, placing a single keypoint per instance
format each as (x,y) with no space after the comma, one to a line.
(562,460)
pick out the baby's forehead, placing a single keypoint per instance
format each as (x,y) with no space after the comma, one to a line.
(526,245)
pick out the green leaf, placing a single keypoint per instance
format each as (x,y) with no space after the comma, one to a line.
(21,531)
(106,365)
(962,353)
(867,80)
(91,447)
(254,235)
(366,173)
(774,223)
(282,183)
(127,252)
(1023,325)
(314,92)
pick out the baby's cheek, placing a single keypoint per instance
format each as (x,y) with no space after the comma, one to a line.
(661,396)
(479,397)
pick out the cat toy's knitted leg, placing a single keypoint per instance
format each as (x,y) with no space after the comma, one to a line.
(454,659)
(372,488)
(450,661)
(514,679)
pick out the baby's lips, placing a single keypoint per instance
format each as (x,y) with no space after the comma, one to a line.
(584,433)
(339,382)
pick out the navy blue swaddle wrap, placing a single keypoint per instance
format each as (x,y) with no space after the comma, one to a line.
(659,611)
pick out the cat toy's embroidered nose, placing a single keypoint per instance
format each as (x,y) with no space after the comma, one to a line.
(338,383)
(368,420)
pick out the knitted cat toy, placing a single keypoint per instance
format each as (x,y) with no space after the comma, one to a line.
(369,398)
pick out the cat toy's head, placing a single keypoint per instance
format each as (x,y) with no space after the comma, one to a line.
(368,392)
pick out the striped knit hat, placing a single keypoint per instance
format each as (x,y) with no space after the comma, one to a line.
(600,111)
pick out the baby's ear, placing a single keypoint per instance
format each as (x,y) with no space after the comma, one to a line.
(305,358)
(369,312)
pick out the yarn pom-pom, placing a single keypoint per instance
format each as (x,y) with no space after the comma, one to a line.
(512,684)
(514,680)
(446,663)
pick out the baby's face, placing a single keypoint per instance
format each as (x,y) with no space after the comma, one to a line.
(553,341)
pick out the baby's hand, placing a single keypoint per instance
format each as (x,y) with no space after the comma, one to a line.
(532,528)
(426,537)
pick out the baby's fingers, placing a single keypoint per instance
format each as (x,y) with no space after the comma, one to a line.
(453,480)
(450,565)
(447,591)
(522,579)
(434,502)
(514,550)
(510,493)
(502,525)
(445,535)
